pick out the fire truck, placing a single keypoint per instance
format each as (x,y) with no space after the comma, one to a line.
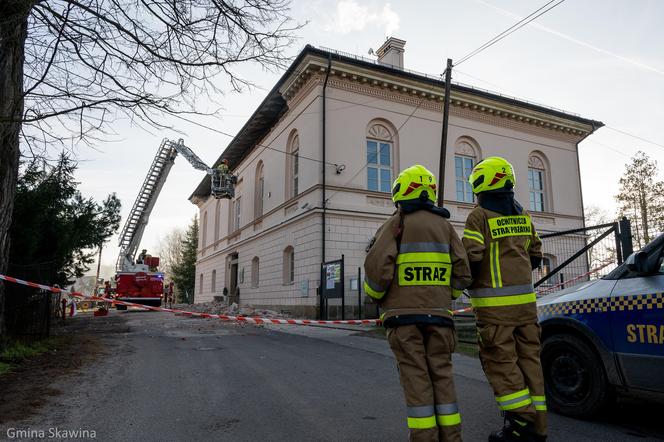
(138,279)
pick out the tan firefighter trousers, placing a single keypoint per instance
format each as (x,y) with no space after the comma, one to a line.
(511,360)
(424,359)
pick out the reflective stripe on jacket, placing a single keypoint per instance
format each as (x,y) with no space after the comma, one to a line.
(419,279)
(502,292)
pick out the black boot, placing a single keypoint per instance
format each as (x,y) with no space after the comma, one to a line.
(516,430)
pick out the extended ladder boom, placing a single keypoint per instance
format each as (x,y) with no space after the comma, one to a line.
(222,186)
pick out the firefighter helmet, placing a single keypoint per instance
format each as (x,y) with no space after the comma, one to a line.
(414,183)
(492,173)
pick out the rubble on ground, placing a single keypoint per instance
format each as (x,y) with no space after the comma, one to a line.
(221,308)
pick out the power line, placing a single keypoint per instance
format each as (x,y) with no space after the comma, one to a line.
(515,27)
(637,137)
(645,140)
(608,147)
(259,145)
(391,140)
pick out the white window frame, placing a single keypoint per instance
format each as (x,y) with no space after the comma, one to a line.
(463,179)
(292,177)
(237,213)
(259,195)
(382,185)
(534,193)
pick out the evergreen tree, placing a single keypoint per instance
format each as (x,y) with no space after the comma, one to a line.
(641,198)
(55,231)
(184,271)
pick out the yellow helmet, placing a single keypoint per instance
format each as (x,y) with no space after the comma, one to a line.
(413,182)
(490,174)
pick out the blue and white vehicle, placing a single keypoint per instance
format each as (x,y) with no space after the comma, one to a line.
(606,336)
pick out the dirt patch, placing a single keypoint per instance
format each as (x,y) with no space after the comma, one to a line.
(27,386)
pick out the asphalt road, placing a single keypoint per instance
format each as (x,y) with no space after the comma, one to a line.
(168,378)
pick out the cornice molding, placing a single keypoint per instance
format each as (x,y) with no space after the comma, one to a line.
(466,105)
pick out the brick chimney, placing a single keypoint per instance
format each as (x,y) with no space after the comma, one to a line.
(391,52)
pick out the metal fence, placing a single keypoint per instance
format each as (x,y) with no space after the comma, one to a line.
(575,256)
(29,312)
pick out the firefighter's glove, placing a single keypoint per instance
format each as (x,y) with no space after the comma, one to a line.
(535,261)
(475,268)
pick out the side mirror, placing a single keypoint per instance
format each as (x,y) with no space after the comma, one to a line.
(638,262)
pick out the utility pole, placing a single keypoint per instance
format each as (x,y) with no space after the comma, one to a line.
(98,269)
(443,141)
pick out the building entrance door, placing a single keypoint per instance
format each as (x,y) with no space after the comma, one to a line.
(234,291)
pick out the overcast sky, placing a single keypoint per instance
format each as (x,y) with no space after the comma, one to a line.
(601,59)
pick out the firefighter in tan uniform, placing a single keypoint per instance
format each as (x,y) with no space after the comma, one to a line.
(414,268)
(503,249)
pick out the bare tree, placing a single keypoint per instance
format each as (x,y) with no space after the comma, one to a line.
(641,198)
(170,251)
(68,68)
(604,252)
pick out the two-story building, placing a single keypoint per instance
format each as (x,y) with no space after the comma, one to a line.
(316,160)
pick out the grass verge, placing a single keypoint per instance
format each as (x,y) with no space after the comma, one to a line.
(4,368)
(15,352)
(467,349)
(464,348)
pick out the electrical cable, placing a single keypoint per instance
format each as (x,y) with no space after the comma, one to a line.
(645,140)
(259,145)
(390,140)
(515,27)
(637,137)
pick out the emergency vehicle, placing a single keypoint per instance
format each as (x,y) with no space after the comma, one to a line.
(606,336)
(138,280)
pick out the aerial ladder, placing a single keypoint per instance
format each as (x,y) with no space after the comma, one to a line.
(137,280)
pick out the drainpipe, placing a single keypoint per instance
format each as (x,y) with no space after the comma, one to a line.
(322,313)
(578,166)
(327,75)
(578,169)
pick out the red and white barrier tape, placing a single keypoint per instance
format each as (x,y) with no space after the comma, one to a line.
(246,319)
(549,290)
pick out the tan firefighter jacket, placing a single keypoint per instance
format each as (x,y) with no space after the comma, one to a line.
(502,292)
(417,275)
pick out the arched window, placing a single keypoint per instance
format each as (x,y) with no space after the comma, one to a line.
(289,265)
(213,281)
(254,271)
(380,147)
(259,191)
(217,219)
(466,155)
(200,283)
(293,166)
(235,209)
(537,183)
